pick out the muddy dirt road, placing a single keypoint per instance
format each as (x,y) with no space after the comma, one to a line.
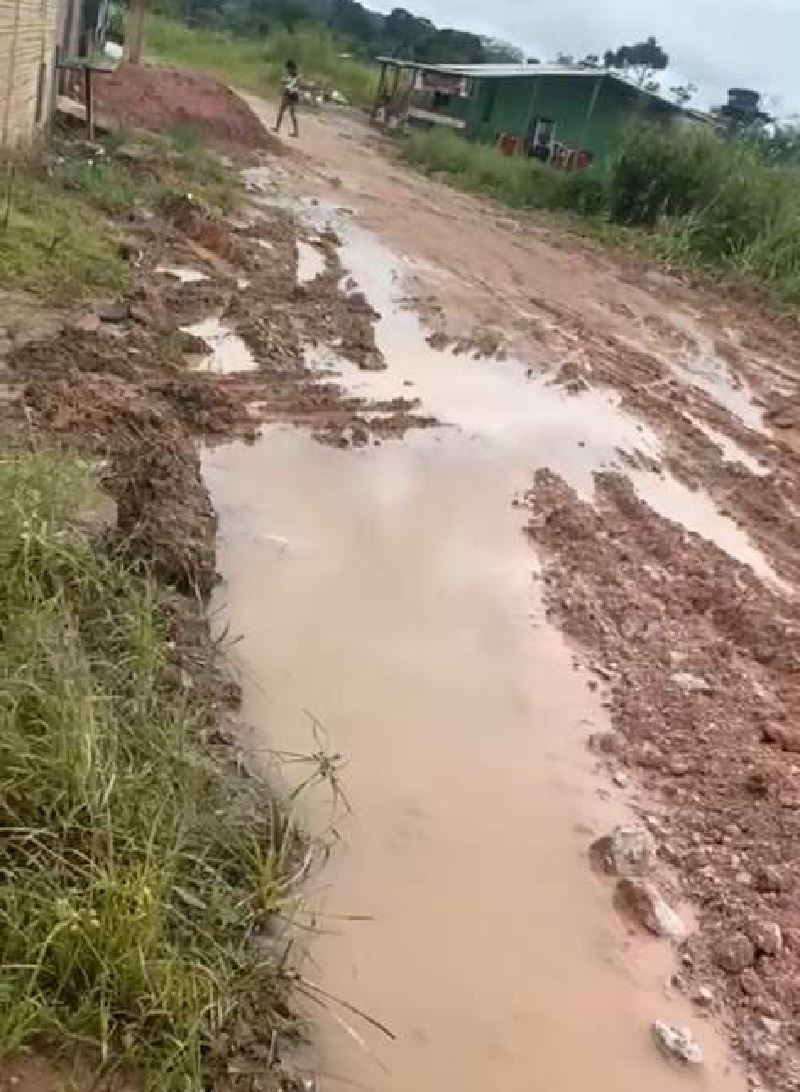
(615,457)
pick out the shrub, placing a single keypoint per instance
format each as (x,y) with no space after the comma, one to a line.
(661,171)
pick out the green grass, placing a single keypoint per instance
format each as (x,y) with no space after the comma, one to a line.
(134,871)
(55,246)
(258,64)
(176,162)
(61,241)
(689,198)
(520,183)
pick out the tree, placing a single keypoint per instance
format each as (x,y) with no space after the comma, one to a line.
(564,58)
(591,60)
(638,62)
(683,93)
(496,51)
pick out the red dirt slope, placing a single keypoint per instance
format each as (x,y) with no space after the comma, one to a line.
(138,97)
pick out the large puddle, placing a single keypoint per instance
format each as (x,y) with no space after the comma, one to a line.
(390,593)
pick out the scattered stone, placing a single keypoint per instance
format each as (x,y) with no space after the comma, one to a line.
(678,766)
(734,953)
(134,153)
(626,851)
(677,1043)
(750,982)
(771,1026)
(88,323)
(620,779)
(656,826)
(112,310)
(642,901)
(759,1045)
(768,879)
(605,743)
(688,683)
(757,783)
(704,997)
(788,739)
(649,755)
(767,937)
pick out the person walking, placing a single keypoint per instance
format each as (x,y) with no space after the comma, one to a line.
(290,96)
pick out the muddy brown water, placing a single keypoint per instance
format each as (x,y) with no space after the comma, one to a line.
(390,592)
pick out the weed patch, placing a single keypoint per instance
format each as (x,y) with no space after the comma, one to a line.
(136,874)
(58,239)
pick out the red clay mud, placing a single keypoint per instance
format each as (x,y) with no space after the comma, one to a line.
(702,664)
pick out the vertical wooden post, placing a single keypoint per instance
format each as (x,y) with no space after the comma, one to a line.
(89,95)
(12,73)
(379,90)
(135,34)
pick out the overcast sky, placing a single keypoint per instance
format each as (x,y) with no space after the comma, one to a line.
(714,43)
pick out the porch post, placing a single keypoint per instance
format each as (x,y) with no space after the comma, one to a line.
(379,90)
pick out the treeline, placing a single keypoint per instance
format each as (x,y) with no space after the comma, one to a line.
(371,33)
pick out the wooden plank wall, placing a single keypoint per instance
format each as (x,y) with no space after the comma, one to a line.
(27,57)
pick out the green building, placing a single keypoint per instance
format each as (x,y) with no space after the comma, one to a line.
(566,114)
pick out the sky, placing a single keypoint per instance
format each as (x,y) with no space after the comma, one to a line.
(716,44)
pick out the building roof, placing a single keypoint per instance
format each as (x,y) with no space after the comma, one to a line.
(510,71)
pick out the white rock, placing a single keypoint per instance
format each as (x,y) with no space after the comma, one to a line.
(643,901)
(767,937)
(688,683)
(677,1043)
(703,996)
(626,851)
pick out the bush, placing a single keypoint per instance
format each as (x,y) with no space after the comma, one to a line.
(585,192)
(711,201)
(661,171)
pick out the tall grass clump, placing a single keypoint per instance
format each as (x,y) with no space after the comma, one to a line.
(514,180)
(134,872)
(257,64)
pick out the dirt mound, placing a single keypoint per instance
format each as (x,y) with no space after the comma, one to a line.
(138,97)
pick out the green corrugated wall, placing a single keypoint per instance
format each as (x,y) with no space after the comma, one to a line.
(505,105)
